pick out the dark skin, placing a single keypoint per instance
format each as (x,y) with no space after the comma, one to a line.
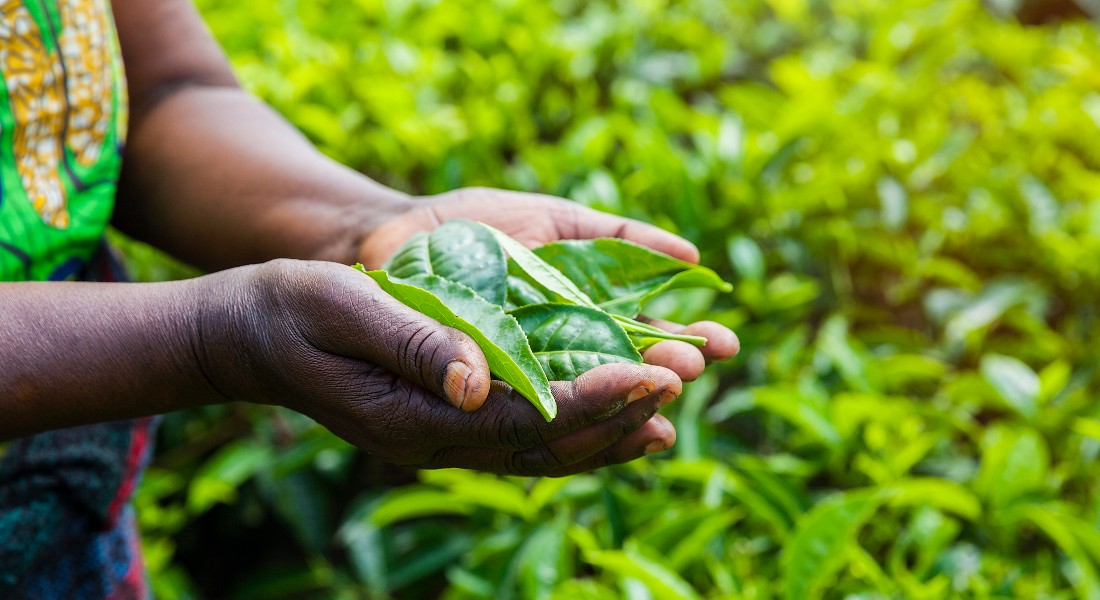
(218,179)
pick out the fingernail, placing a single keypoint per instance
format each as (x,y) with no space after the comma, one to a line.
(655,446)
(664,398)
(637,394)
(455,380)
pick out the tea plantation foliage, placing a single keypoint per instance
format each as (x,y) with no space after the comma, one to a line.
(907,197)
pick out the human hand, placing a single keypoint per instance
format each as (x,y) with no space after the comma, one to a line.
(534,220)
(326,341)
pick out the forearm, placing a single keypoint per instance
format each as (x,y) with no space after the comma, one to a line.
(75,353)
(218,179)
(214,176)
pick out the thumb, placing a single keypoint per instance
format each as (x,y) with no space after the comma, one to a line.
(377,328)
(441,359)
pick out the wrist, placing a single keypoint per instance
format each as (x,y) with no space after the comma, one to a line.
(365,219)
(221,328)
(250,332)
(334,228)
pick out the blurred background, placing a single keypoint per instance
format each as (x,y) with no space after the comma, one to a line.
(906,196)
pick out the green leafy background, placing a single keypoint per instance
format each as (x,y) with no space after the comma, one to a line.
(907,199)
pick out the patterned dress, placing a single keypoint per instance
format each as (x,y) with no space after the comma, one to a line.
(66,526)
(62,125)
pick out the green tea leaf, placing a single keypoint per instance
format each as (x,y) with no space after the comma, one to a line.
(1015,461)
(942,494)
(818,547)
(622,276)
(1087,427)
(220,477)
(465,252)
(502,496)
(539,272)
(460,250)
(497,334)
(522,293)
(1077,539)
(533,279)
(1014,381)
(662,582)
(692,547)
(569,339)
(1053,379)
(299,499)
(895,202)
(746,258)
(540,558)
(411,258)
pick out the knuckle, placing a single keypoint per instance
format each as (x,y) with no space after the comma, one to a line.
(412,347)
(536,461)
(399,423)
(422,348)
(519,434)
(569,219)
(577,412)
(380,385)
(299,287)
(277,267)
(393,403)
(283,275)
(592,417)
(508,424)
(268,279)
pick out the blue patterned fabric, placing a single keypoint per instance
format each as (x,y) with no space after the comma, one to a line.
(67,530)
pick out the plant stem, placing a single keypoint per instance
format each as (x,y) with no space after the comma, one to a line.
(635,327)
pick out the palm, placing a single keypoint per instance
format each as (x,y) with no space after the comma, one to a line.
(532,219)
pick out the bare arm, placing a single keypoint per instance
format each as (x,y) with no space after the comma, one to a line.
(214,176)
(319,338)
(77,353)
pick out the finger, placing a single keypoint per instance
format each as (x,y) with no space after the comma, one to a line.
(629,434)
(560,453)
(509,422)
(722,343)
(681,357)
(656,435)
(579,222)
(571,220)
(370,325)
(581,445)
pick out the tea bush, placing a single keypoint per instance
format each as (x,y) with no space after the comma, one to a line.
(905,195)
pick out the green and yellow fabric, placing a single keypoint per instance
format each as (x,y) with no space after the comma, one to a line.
(62,126)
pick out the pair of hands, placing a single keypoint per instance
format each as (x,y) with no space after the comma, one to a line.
(322,339)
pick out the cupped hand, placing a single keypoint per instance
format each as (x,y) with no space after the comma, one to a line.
(536,219)
(324,340)
(532,219)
